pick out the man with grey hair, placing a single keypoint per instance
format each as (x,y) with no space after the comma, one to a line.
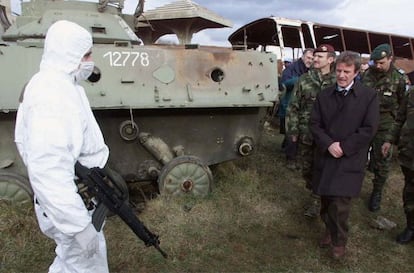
(290,76)
(343,121)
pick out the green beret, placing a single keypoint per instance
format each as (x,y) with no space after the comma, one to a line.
(380,52)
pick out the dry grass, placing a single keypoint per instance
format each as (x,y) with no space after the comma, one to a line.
(252,222)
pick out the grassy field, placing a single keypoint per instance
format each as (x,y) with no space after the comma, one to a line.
(252,222)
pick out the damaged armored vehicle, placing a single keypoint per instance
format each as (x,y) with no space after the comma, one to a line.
(167,112)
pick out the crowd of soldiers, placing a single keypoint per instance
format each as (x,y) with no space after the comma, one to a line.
(395,127)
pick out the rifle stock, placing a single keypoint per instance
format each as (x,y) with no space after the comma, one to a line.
(111,196)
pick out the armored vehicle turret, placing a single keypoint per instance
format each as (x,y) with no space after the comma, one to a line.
(167,112)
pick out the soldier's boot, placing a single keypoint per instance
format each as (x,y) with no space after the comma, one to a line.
(406,236)
(375,199)
(314,207)
(408,233)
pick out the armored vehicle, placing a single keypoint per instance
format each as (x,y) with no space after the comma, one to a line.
(167,112)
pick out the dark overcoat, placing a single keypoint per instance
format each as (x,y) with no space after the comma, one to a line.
(351,120)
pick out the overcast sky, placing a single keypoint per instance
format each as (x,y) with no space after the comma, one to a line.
(395,16)
(390,16)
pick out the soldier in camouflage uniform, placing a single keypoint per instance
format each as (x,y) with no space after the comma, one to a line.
(390,85)
(298,113)
(406,160)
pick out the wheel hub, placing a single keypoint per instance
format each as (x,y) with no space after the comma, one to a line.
(187,185)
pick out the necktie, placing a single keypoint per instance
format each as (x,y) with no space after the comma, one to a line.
(342,91)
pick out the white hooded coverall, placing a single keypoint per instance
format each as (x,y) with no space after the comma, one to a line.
(55,127)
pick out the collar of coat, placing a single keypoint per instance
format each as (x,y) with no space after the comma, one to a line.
(355,89)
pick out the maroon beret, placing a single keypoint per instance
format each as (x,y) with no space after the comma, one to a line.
(324,48)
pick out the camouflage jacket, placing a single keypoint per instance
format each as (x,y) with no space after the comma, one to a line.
(391,94)
(406,139)
(300,107)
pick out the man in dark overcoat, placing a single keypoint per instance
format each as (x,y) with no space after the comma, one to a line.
(343,121)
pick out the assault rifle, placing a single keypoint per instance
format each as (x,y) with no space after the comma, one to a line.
(110,196)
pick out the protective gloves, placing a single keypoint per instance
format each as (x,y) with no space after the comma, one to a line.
(88,240)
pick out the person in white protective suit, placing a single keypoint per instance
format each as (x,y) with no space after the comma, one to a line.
(55,127)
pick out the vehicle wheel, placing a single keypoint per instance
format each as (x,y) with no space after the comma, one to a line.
(15,188)
(185,175)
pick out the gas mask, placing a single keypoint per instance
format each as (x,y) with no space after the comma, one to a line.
(84,71)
